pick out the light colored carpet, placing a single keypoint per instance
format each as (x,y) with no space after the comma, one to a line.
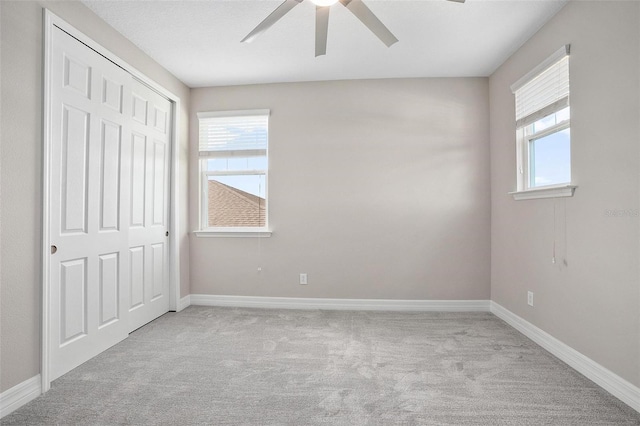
(227,366)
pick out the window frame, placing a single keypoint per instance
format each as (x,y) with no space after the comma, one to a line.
(524,140)
(204,229)
(525,136)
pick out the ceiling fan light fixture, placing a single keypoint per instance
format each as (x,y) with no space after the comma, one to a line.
(323,3)
(357,7)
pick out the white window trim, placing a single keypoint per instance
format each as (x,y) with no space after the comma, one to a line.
(550,191)
(524,191)
(544,192)
(555,57)
(233,233)
(230,232)
(236,113)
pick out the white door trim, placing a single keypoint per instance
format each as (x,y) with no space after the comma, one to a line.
(50,21)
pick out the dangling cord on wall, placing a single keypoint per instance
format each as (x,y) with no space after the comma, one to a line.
(260,260)
(553,258)
(564,242)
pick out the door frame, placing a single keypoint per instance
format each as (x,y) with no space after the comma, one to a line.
(51,21)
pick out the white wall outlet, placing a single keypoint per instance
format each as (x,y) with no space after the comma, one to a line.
(530,298)
(303,279)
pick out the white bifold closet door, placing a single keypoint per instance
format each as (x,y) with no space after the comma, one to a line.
(108,204)
(148,220)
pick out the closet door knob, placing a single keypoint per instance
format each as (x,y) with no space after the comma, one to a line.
(54,249)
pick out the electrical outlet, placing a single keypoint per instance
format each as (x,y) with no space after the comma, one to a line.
(303,279)
(530,298)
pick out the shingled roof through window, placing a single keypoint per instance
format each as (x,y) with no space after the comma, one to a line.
(231,207)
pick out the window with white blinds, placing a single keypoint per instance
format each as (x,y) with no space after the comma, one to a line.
(233,148)
(543,124)
(544,90)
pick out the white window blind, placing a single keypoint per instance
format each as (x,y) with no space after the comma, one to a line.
(544,90)
(233,133)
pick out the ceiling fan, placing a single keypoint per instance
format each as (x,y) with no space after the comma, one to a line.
(357,7)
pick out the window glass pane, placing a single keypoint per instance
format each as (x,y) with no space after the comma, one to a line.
(217,164)
(237,201)
(550,159)
(563,115)
(236,163)
(544,123)
(550,120)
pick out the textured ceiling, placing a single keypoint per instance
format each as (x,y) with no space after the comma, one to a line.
(199,41)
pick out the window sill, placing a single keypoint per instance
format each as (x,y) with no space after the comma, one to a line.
(552,192)
(238,233)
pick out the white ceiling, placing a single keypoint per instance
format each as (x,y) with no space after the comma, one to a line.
(199,41)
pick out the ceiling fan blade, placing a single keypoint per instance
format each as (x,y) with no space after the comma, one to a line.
(458,1)
(366,16)
(263,26)
(322,28)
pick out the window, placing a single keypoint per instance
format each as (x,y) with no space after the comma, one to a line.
(543,131)
(233,170)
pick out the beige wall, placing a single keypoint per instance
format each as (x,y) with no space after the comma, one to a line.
(593,302)
(378,189)
(21,130)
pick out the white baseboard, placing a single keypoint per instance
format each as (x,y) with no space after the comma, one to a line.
(19,395)
(341,304)
(183,303)
(608,380)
